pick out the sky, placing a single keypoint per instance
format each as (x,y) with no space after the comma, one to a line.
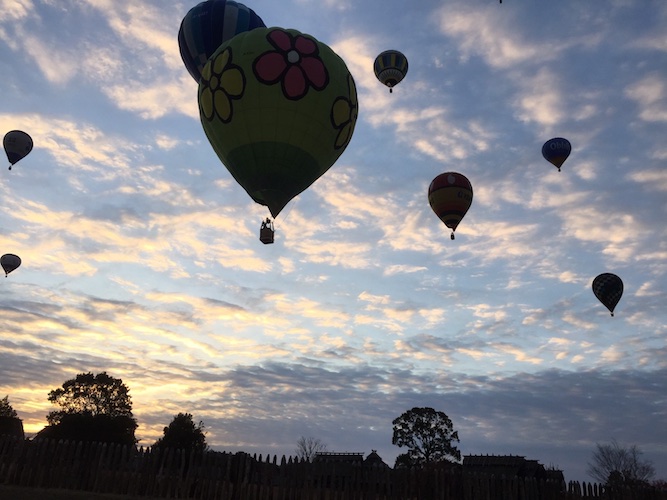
(141,258)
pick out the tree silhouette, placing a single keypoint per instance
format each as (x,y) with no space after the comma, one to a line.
(93,408)
(6,409)
(428,434)
(10,423)
(93,395)
(308,447)
(183,434)
(617,465)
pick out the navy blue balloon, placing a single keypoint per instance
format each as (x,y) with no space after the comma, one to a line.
(556,151)
(207,25)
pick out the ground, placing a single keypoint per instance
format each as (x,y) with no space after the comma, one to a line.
(18,493)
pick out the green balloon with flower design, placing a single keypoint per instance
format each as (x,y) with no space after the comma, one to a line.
(279,108)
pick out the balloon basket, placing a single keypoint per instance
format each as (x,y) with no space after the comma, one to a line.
(266,232)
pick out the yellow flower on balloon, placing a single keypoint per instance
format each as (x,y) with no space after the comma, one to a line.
(222,82)
(344,115)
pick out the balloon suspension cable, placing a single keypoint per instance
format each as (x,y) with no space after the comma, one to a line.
(286,215)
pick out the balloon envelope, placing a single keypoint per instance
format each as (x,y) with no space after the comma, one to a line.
(556,151)
(9,262)
(207,25)
(608,288)
(279,108)
(390,67)
(450,197)
(17,145)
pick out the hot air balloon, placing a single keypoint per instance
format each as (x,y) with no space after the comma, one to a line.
(450,196)
(9,262)
(608,288)
(390,68)
(279,108)
(556,151)
(17,145)
(207,25)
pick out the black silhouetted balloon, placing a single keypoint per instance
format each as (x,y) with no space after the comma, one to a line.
(17,145)
(608,288)
(450,197)
(9,262)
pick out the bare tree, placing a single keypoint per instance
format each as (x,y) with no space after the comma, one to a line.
(308,447)
(616,464)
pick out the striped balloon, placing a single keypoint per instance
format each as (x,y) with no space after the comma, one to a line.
(608,288)
(207,25)
(390,68)
(450,197)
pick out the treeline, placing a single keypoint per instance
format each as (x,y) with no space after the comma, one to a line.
(99,408)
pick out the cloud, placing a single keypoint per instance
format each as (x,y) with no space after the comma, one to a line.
(80,146)
(58,65)
(156,99)
(428,129)
(402,269)
(269,396)
(329,4)
(652,179)
(143,27)
(356,51)
(138,65)
(541,100)
(15,9)
(480,33)
(650,94)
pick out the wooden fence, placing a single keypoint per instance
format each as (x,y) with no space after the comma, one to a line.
(133,472)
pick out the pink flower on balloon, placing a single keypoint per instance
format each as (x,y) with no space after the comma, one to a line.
(295,63)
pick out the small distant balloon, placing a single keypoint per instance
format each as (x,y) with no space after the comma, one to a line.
(17,146)
(10,262)
(556,151)
(450,197)
(608,288)
(390,68)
